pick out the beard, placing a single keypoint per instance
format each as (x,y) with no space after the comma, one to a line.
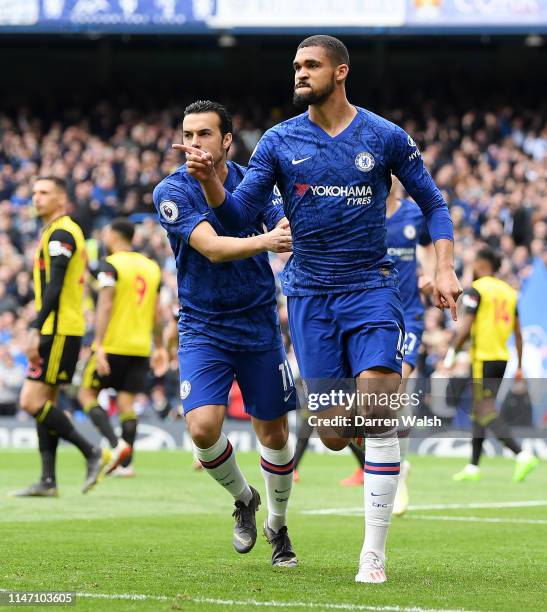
(303,100)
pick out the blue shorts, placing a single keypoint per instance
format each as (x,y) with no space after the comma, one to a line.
(264,377)
(413,340)
(339,336)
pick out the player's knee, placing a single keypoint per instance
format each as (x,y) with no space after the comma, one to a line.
(272,434)
(25,405)
(274,439)
(29,402)
(203,434)
(378,412)
(336,443)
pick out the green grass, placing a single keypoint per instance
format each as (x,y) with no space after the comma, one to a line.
(168,533)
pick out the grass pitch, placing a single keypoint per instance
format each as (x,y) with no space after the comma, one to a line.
(166,536)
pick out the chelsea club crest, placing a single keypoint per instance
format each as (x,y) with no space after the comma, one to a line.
(185,388)
(409,232)
(364,161)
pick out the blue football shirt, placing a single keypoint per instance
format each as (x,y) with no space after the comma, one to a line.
(334,191)
(231,305)
(406,228)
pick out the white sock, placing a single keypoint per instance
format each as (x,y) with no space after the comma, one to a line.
(277,468)
(219,461)
(382,466)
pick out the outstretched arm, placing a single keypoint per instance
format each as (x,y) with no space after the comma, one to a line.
(235,211)
(200,165)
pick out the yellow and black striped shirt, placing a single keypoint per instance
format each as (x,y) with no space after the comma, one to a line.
(59,275)
(494,304)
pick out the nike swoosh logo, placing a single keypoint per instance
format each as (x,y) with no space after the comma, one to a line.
(378,494)
(286,397)
(295,162)
(244,541)
(284,490)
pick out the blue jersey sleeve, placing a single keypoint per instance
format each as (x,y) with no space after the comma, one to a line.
(242,207)
(273,213)
(408,166)
(175,211)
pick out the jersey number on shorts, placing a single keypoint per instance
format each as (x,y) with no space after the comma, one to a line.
(400,352)
(140,288)
(286,374)
(410,342)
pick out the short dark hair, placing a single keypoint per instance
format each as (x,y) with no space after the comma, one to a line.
(124,227)
(491,256)
(58,182)
(208,106)
(334,48)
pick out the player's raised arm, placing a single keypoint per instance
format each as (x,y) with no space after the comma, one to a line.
(237,210)
(409,168)
(201,166)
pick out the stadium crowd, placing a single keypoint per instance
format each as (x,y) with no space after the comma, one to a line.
(491,166)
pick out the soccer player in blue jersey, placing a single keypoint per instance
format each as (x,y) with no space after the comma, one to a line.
(333,166)
(228,327)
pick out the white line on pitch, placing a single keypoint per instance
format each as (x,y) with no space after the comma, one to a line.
(253,602)
(358,510)
(475,519)
(260,604)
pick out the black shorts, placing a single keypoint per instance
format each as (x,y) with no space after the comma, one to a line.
(487,378)
(127,373)
(59,356)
